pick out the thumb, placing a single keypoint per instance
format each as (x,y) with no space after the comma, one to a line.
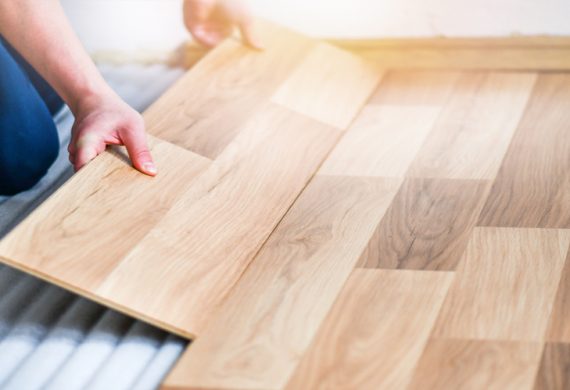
(137,147)
(87,148)
(249,34)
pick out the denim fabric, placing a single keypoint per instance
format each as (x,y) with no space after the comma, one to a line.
(28,137)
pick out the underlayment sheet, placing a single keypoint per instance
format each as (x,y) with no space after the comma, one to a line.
(51,338)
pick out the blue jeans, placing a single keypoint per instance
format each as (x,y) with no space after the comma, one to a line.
(28,137)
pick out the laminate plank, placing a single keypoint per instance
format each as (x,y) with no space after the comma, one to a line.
(533,186)
(554,372)
(224,90)
(382,141)
(415,88)
(313,87)
(505,285)
(275,309)
(172,254)
(210,236)
(81,233)
(375,332)
(475,127)
(559,325)
(427,226)
(477,364)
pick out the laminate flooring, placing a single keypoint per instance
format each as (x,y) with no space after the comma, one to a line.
(321,223)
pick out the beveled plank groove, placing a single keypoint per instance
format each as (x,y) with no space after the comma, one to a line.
(375,332)
(559,324)
(427,225)
(505,285)
(475,127)
(534,174)
(275,309)
(477,364)
(554,372)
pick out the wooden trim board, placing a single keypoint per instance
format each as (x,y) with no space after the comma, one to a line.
(500,53)
(234,150)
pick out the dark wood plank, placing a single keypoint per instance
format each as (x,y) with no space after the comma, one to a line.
(532,188)
(427,225)
(554,372)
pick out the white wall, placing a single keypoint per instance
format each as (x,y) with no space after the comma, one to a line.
(131,25)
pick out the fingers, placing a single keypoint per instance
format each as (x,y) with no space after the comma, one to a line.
(137,147)
(209,38)
(249,35)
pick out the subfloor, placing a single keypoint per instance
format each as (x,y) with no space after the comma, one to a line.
(53,339)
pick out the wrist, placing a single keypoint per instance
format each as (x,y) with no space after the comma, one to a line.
(91,100)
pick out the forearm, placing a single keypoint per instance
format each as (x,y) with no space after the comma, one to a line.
(39,30)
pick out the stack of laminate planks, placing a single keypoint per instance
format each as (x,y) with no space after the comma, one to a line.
(319,223)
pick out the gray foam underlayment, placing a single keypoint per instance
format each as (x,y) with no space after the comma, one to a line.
(54,339)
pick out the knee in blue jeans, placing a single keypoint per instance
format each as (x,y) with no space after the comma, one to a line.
(22,167)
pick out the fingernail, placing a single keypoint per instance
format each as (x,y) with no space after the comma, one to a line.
(150,167)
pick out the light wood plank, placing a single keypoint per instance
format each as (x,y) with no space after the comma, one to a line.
(313,88)
(277,306)
(415,88)
(383,141)
(474,129)
(80,234)
(534,176)
(554,372)
(477,364)
(427,226)
(209,237)
(505,285)
(225,89)
(375,332)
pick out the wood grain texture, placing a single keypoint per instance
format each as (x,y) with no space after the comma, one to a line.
(313,88)
(534,176)
(477,364)
(382,141)
(107,200)
(224,90)
(427,226)
(275,309)
(559,326)
(554,372)
(505,285)
(415,88)
(209,237)
(375,332)
(475,127)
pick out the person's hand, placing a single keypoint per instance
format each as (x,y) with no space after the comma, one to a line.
(102,121)
(211,21)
